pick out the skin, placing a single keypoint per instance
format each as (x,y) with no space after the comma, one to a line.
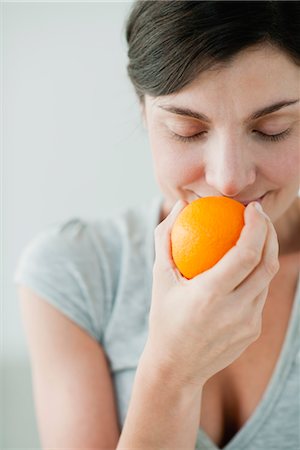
(231,158)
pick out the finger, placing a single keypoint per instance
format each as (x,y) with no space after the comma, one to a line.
(241,259)
(263,274)
(163,251)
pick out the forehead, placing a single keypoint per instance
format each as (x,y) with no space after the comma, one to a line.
(255,77)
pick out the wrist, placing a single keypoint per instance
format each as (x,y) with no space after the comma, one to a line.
(163,412)
(159,370)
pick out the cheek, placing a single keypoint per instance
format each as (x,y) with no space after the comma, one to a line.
(175,164)
(283,166)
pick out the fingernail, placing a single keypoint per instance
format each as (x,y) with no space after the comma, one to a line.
(259,208)
(176,207)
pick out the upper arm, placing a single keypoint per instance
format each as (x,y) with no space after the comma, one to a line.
(73,390)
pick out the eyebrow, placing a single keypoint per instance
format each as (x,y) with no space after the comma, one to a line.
(255,115)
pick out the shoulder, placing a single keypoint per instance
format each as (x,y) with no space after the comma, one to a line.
(92,241)
(77,265)
(62,245)
(61,266)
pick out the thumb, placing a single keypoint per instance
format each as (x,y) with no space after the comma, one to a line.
(163,251)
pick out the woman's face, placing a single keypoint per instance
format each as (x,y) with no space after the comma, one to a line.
(233,132)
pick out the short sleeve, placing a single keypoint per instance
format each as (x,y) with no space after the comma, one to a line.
(62,265)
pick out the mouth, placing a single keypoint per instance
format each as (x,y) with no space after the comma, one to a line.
(244,202)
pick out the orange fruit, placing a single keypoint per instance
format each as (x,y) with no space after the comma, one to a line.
(203,232)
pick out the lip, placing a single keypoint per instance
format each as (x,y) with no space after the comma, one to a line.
(244,202)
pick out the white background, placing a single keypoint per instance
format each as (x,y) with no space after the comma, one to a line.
(73,144)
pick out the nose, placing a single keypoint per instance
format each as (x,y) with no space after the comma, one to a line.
(229,169)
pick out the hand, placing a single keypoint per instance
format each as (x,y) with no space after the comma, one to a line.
(198,327)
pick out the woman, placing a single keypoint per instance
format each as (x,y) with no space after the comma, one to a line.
(127,353)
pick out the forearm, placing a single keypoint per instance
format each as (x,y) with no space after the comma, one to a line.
(161,414)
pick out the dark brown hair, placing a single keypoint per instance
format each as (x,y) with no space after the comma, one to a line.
(171,42)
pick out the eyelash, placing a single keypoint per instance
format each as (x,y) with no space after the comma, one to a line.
(263,136)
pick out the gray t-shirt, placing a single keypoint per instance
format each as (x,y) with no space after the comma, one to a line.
(99,274)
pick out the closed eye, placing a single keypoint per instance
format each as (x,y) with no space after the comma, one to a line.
(192,138)
(264,136)
(272,137)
